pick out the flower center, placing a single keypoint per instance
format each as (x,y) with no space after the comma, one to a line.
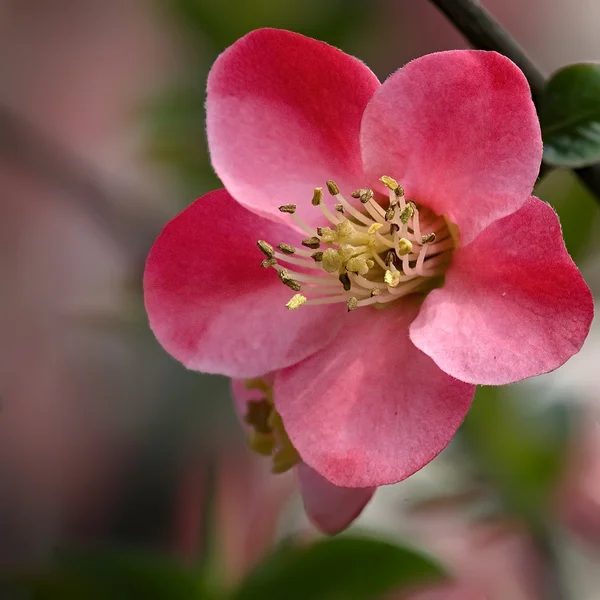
(268,436)
(371,256)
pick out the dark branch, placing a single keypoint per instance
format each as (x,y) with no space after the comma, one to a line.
(482,31)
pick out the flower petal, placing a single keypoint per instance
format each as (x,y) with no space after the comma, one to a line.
(283,116)
(213,307)
(458,129)
(370,409)
(330,508)
(514,304)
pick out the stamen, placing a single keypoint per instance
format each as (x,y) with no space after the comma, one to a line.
(296,301)
(345,281)
(288,208)
(352,303)
(317,256)
(312,242)
(317,196)
(268,262)
(287,280)
(286,248)
(332,187)
(266,248)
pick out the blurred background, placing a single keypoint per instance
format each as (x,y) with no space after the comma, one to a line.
(107,442)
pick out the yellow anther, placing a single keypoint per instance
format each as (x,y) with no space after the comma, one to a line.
(370,263)
(345,281)
(375,227)
(317,196)
(331,260)
(266,248)
(404,246)
(427,239)
(375,292)
(392,278)
(352,303)
(312,242)
(332,188)
(288,208)
(389,182)
(286,248)
(296,301)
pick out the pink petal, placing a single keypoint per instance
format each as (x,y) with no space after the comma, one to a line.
(514,304)
(213,307)
(458,129)
(329,507)
(370,409)
(283,116)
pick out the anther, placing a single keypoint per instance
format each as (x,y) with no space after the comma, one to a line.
(375,292)
(404,246)
(407,213)
(312,242)
(392,278)
(394,227)
(427,239)
(288,208)
(327,234)
(345,281)
(287,280)
(296,301)
(266,248)
(286,248)
(332,187)
(374,227)
(317,196)
(352,303)
(389,213)
(390,257)
(389,182)
(317,256)
(339,208)
(268,262)
(366,195)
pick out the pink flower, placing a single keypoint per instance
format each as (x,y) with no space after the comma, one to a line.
(454,278)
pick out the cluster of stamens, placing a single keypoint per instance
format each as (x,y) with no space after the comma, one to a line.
(371,256)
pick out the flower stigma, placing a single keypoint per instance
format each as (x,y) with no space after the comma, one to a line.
(371,256)
(268,436)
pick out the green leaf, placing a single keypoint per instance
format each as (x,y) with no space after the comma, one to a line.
(576,206)
(520,448)
(345,568)
(118,575)
(570,116)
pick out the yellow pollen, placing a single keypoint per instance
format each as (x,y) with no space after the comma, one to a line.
(392,278)
(345,229)
(331,260)
(375,227)
(389,182)
(296,301)
(327,235)
(404,246)
(352,303)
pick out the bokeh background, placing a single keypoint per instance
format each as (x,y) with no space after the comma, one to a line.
(105,441)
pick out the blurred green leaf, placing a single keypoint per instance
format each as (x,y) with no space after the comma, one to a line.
(570,116)
(114,575)
(576,207)
(348,568)
(521,450)
(225,21)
